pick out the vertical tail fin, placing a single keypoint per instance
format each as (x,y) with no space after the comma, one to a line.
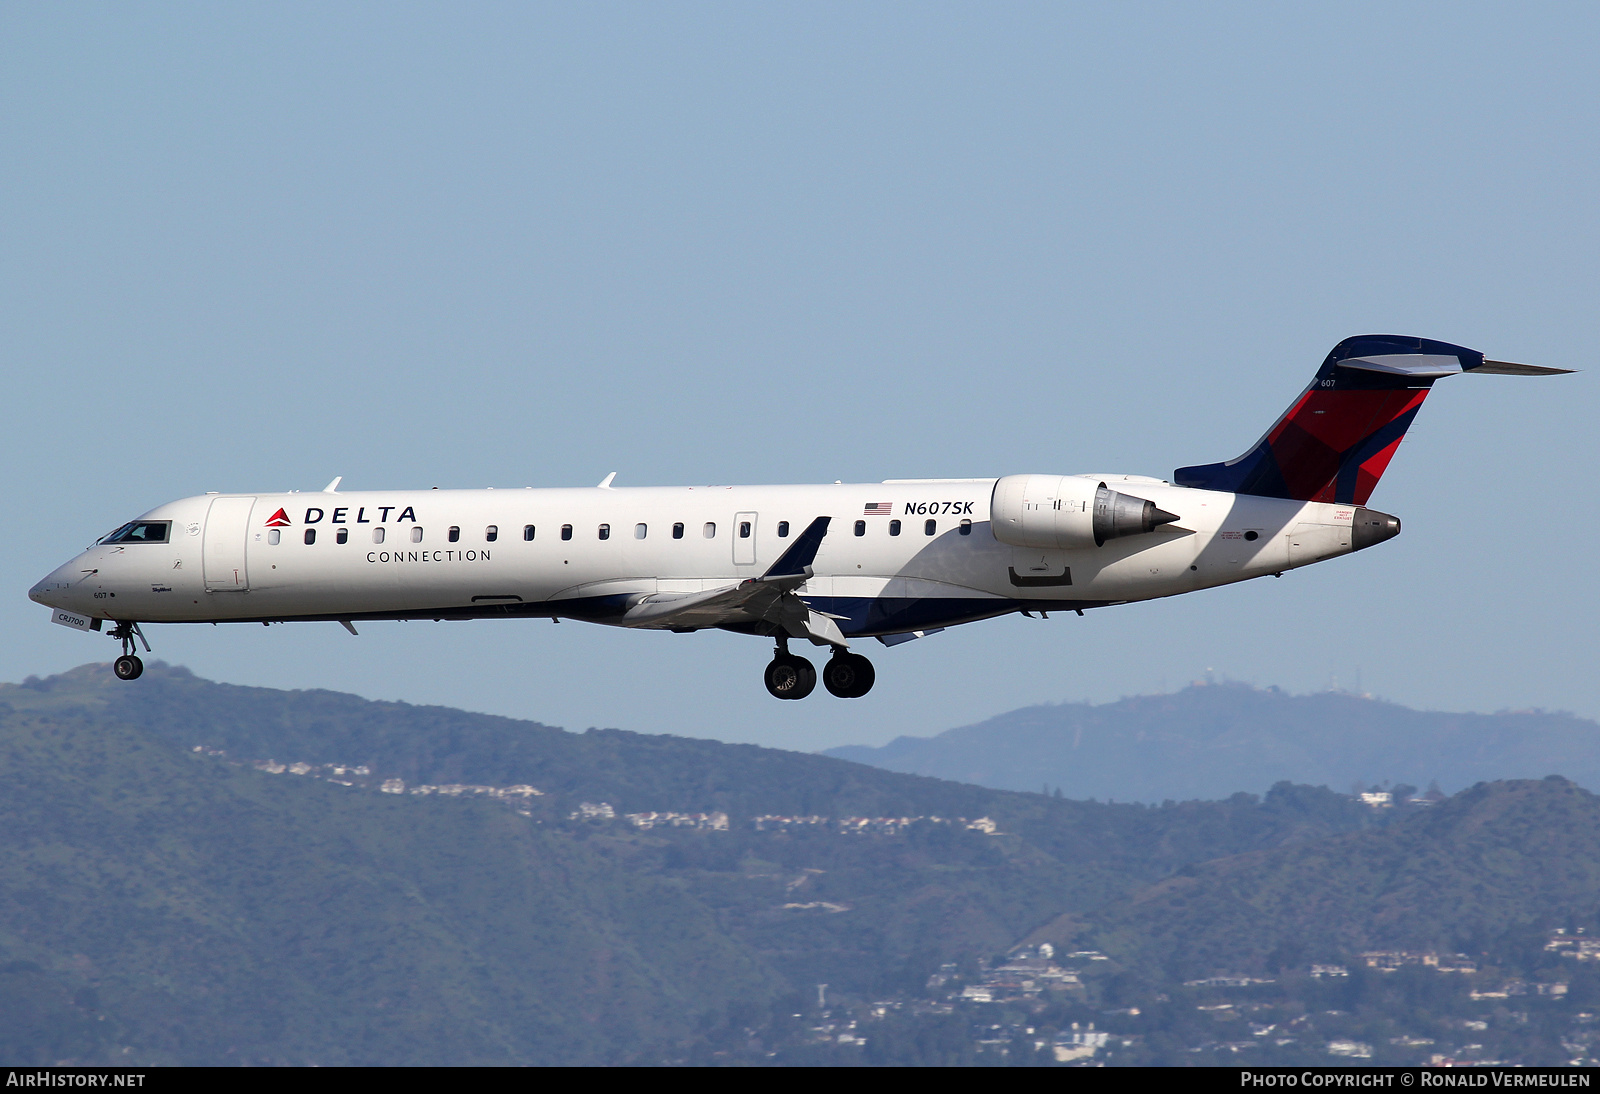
(1337,438)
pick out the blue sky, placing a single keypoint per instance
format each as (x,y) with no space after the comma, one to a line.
(251,247)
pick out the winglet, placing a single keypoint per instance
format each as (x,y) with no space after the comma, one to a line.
(797,560)
(333,487)
(605,483)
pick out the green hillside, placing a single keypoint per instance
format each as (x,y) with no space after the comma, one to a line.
(193,912)
(192,908)
(406,884)
(1493,857)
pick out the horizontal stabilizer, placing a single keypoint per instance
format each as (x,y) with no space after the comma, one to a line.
(1511,368)
(1418,366)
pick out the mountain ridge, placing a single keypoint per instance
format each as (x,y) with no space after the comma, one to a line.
(1208,741)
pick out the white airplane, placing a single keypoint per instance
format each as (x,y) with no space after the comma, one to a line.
(894,560)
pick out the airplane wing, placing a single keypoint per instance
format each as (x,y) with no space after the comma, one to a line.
(769,598)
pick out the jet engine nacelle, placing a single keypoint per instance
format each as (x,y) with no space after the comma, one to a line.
(1067,512)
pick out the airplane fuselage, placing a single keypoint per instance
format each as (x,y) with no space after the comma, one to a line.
(899,557)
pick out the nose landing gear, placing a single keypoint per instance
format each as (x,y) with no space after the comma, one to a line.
(128,666)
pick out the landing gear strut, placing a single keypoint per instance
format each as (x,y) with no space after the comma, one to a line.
(848,675)
(128,666)
(788,676)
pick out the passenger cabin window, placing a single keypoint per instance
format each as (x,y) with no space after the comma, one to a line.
(677,530)
(566,531)
(966,528)
(491,533)
(272,536)
(711,529)
(342,536)
(377,535)
(605,531)
(527,533)
(783,529)
(455,534)
(861,527)
(141,531)
(744,529)
(894,528)
(640,531)
(311,535)
(416,534)
(930,527)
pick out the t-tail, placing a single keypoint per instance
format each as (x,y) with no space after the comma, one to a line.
(1336,439)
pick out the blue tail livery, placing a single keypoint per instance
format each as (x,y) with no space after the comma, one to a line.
(1336,439)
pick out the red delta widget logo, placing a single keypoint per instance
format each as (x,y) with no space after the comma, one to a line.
(280,519)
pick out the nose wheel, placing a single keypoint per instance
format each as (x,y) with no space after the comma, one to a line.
(128,666)
(848,675)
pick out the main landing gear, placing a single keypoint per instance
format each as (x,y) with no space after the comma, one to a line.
(790,677)
(847,675)
(128,666)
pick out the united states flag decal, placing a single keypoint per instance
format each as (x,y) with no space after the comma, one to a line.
(878,509)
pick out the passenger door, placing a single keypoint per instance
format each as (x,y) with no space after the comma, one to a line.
(223,546)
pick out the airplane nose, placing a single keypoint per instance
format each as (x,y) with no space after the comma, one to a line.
(50,590)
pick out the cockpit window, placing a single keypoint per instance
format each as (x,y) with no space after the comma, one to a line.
(141,531)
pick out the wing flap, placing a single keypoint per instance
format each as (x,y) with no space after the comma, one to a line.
(748,599)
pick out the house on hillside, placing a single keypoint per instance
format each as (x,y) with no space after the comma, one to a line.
(1079,1044)
(1358,1050)
(1390,960)
(1573,944)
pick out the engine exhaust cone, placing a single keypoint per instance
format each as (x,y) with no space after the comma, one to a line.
(1369,527)
(1117,515)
